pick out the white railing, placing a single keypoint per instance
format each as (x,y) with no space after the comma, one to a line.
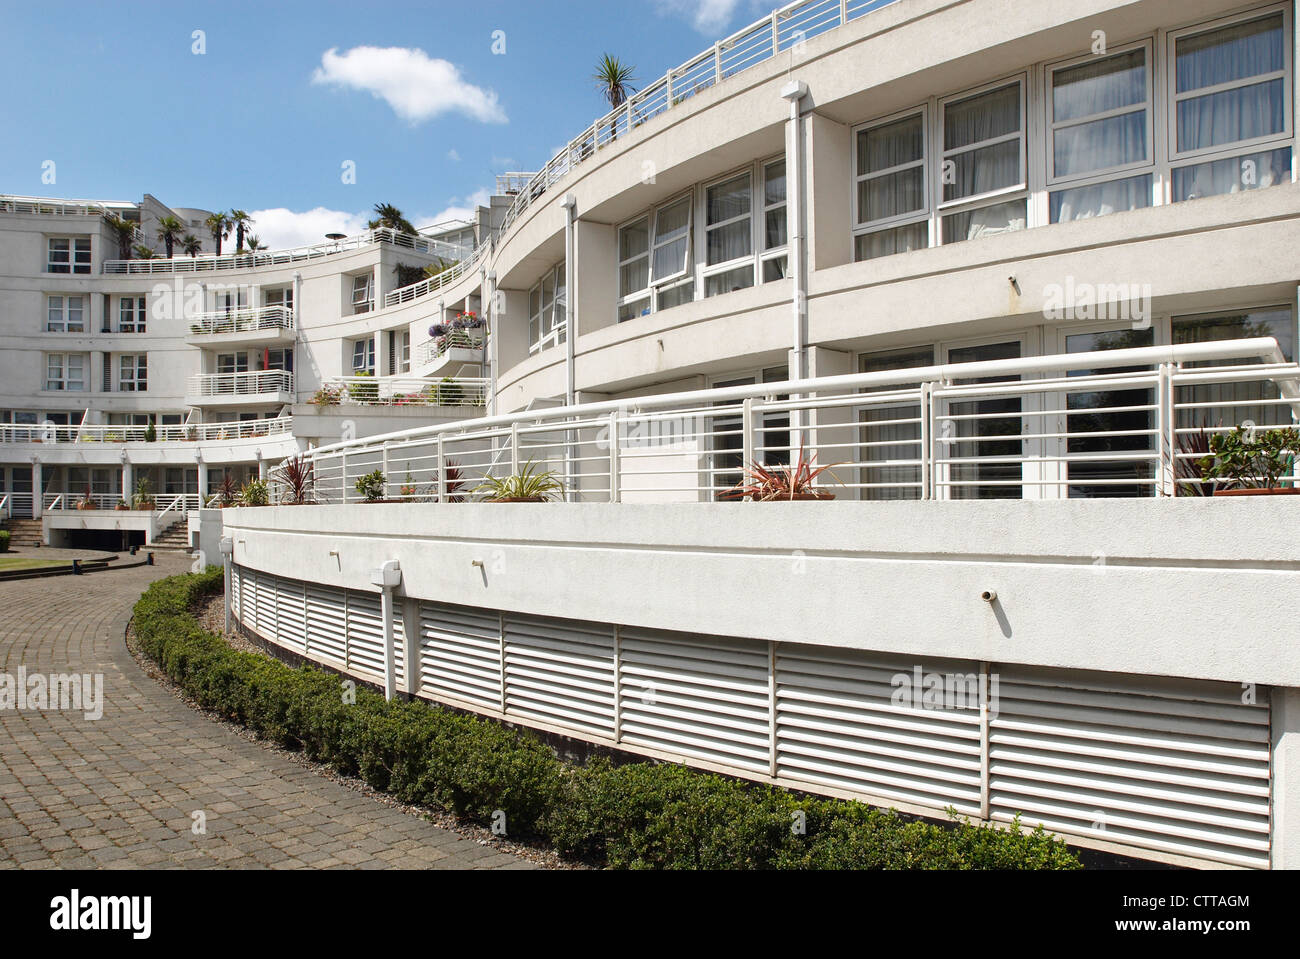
(433,284)
(71,501)
(244,261)
(402,391)
(241,384)
(1047,427)
(5,509)
(432,350)
(779,32)
(48,206)
(509,184)
(242,320)
(102,433)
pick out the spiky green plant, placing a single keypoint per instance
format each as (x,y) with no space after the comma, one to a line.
(528,484)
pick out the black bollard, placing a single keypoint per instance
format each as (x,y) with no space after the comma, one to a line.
(149,560)
(76,567)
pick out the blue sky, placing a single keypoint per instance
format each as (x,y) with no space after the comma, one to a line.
(115,95)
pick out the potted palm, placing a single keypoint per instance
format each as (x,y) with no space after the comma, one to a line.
(143,498)
(789,483)
(527,486)
(1252,462)
(87,500)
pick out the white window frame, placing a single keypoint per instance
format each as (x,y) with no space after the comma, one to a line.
(1286,75)
(363,293)
(364,349)
(73,261)
(766,254)
(58,372)
(861,226)
(550,329)
(63,303)
(1125,171)
(133,373)
(238,363)
(657,241)
(645,294)
(404,351)
(707,270)
(278,296)
(136,308)
(1020,190)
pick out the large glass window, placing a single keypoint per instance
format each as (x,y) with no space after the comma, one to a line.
(890,434)
(728,235)
(68,255)
(363,297)
(134,376)
(890,188)
(1099,128)
(1231,89)
(776,263)
(363,356)
(983,161)
(65,314)
(65,372)
(633,271)
(654,271)
(132,315)
(546,311)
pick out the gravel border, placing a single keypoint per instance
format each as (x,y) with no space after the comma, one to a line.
(211,616)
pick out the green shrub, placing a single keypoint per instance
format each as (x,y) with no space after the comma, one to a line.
(4,540)
(636,816)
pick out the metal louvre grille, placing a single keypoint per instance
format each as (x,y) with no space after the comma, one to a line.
(236,591)
(838,725)
(290,615)
(266,623)
(560,672)
(704,697)
(248,595)
(460,654)
(326,638)
(365,636)
(1181,767)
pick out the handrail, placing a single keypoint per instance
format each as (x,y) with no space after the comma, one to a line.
(52,206)
(403,391)
(5,509)
(241,384)
(438,281)
(778,32)
(104,433)
(242,320)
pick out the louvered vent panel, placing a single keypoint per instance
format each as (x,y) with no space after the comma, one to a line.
(1178,766)
(266,624)
(326,616)
(696,696)
(843,721)
(461,654)
(290,614)
(560,672)
(365,633)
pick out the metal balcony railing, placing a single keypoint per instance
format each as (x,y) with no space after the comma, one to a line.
(402,391)
(431,350)
(1112,423)
(103,433)
(242,320)
(241,384)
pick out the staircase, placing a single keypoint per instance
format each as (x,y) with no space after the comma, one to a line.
(175,537)
(25,532)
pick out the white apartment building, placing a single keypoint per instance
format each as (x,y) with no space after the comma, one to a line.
(1003,265)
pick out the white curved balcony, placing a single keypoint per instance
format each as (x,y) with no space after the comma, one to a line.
(403,391)
(266,326)
(262,388)
(120,435)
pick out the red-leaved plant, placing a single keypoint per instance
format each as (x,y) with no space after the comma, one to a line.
(765,484)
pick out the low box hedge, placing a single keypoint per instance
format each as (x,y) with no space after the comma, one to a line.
(635,816)
(4,540)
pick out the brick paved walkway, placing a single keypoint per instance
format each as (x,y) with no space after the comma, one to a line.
(119,792)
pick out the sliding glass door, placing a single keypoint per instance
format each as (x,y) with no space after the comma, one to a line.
(980,449)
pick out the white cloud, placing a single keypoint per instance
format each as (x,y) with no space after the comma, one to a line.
(417,87)
(453,156)
(281,229)
(706,16)
(459,208)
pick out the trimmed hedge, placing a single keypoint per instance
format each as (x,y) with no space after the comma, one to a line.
(4,540)
(635,816)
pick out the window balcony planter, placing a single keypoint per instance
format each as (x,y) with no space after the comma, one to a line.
(1252,462)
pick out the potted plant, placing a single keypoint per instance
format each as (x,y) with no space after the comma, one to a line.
(298,477)
(791,483)
(453,482)
(122,506)
(254,493)
(150,434)
(227,493)
(87,500)
(143,498)
(372,487)
(327,396)
(191,434)
(528,486)
(1252,462)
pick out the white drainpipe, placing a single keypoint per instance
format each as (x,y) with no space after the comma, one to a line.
(794,92)
(570,206)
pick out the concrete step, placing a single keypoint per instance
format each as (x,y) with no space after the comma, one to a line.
(25,532)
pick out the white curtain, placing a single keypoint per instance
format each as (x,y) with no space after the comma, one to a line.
(1101,199)
(983,117)
(986,221)
(726,201)
(1233,175)
(884,148)
(914,236)
(1092,88)
(1224,56)
(672,224)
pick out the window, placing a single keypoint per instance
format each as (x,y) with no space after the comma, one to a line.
(633,271)
(232,362)
(65,372)
(654,271)
(891,196)
(282,296)
(1231,91)
(279,360)
(132,315)
(546,311)
(134,373)
(404,351)
(363,356)
(68,255)
(363,293)
(1099,134)
(65,314)
(775,262)
(983,163)
(728,236)
(891,434)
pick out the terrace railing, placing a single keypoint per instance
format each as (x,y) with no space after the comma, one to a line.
(242,320)
(403,391)
(431,350)
(418,291)
(246,261)
(164,503)
(105,433)
(241,384)
(779,32)
(47,206)
(1123,422)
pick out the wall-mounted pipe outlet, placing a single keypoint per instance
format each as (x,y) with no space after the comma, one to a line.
(989,595)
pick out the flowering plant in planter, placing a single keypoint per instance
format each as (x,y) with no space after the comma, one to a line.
(769,484)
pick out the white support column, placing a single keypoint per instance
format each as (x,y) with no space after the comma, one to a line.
(794,93)
(38,489)
(203,479)
(128,483)
(1285,787)
(388,577)
(227,551)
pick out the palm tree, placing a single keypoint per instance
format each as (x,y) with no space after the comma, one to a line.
(192,245)
(390,218)
(614,81)
(254,244)
(170,231)
(143,252)
(124,232)
(218,225)
(241,221)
